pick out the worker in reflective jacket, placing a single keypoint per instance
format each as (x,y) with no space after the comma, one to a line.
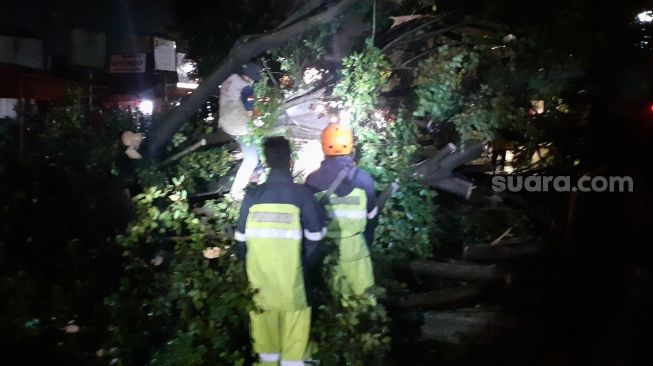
(279,233)
(351,209)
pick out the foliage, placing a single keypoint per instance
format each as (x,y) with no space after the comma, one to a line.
(487,88)
(362,76)
(202,167)
(57,223)
(193,311)
(267,110)
(385,149)
(296,55)
(386,145)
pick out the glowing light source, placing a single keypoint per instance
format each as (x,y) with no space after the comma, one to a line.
(146,107)
(345,117)
(187,85)
(334,119)
(311,74)
(320,108)
(310,156)
(645,17)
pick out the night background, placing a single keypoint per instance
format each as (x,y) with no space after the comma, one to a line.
(103,243)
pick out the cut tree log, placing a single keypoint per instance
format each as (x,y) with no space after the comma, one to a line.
(454,185)
(469,326)
(445,298)
(503,251)
(432,164)
(437,171)
(457,271)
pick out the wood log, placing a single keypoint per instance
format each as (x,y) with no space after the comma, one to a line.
(463,155)
(453,185)
(444,298)
(469,326)
(430,165)
(503,251)
(437,172)
(456,271)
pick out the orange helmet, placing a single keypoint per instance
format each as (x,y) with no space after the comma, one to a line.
(337,140)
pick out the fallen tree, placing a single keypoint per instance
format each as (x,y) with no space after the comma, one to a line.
(507,251)
(468,326)
(244,49)
(437,171)
(457,271)
(447,298)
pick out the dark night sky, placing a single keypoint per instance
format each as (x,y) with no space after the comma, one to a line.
(115,17)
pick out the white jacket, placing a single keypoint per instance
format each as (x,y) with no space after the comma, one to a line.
(233,115)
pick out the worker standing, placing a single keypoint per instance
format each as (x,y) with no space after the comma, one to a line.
(279,233)
(236,110)
(351,207)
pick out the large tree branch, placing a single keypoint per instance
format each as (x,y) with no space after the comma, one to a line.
(242,51)
(316,93)
(302,12)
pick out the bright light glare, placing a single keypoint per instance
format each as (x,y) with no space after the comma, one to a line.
(311,74)
(187,66)
(320,108)
(645,16)
(345,118)
(310,156)
(333,119)
(187,85)
(146,107)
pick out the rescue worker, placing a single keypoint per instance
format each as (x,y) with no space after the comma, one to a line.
(236,110)
(279,232)
(351,210)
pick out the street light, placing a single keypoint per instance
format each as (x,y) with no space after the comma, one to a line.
(146,107)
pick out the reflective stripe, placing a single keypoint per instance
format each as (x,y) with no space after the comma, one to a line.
(239,236)
(268,357)
(285,218)
(292,363)
(346,214)
(373,213)
(346,200)
(273,233)
(315,236)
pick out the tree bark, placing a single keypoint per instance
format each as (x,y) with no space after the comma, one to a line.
(456,271)
(445,298)
(502,252)
(242,51)
(446,159)
(453,185)
(468,326)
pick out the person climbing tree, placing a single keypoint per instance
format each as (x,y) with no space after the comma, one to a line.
(236,109)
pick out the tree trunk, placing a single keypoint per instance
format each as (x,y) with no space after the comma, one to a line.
(501,252)
(244,49)
(453,185)
(469,326)
(456,271)
(444,298)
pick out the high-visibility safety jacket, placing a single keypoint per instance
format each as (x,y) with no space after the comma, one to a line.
(280,226)
(236,98)
(351,211)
